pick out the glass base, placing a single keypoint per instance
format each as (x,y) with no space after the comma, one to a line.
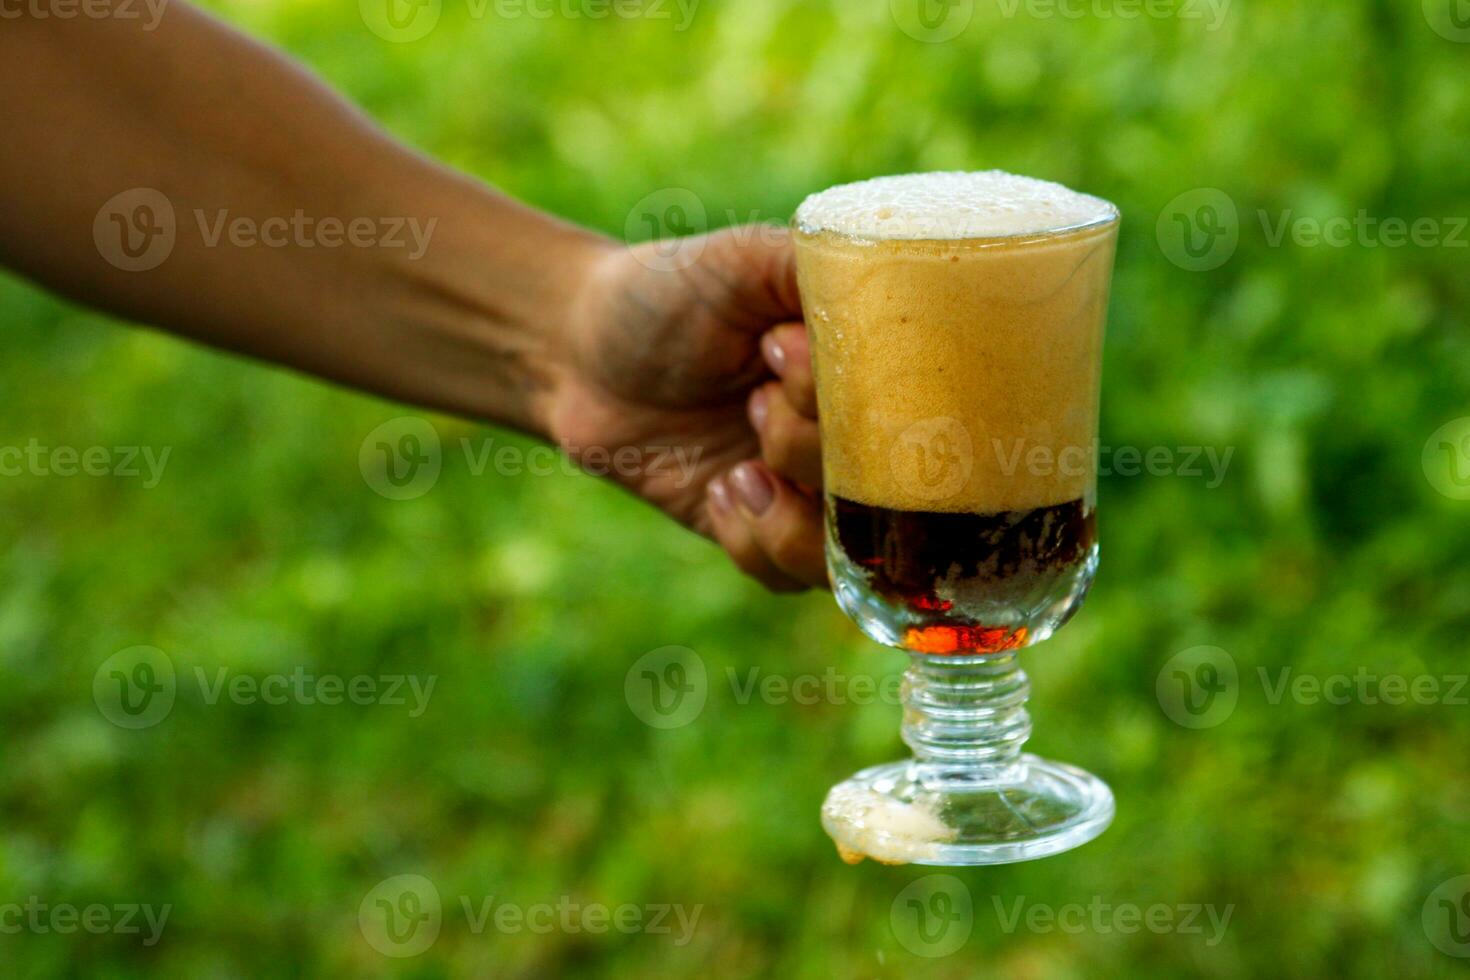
(915,813)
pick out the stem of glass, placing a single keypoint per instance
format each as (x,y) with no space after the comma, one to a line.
(965,719)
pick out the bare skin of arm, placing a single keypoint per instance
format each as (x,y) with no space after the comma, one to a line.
(495,311)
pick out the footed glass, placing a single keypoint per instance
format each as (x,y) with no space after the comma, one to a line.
(956,325)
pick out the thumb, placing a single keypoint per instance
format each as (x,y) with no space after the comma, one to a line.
(760,263)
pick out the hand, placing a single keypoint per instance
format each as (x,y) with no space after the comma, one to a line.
(709,360)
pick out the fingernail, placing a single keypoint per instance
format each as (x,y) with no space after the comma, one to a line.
(719,495)
(753,487)
(774,354)
(758,408)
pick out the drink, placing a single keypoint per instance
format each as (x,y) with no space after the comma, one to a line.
(936,566)
(956,326)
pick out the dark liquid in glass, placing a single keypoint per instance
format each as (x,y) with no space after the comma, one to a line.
(923,561)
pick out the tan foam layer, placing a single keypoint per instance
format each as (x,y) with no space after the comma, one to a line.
(958,376)
(950,205)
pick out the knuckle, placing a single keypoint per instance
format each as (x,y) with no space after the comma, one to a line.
(789,544)
(804,396)
(779,442)
(794,453)
(747,561)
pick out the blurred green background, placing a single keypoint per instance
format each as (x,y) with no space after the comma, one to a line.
(1325,829)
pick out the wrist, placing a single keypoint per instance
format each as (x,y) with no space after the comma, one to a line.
(493,305)
(545,327)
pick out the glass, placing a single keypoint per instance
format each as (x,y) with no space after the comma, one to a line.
(957,384)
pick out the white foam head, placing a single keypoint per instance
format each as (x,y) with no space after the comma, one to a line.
(950,205)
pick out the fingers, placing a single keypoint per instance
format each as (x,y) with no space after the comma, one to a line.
(783,412)
(738,539)
(769,526)
(790,442)
(786,352)
(772,530)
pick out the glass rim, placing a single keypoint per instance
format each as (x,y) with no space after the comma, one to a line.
(1114,217)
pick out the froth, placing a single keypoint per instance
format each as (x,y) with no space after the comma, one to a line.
(949,206)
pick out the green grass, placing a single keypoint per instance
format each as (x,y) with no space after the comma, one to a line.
(528,778)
